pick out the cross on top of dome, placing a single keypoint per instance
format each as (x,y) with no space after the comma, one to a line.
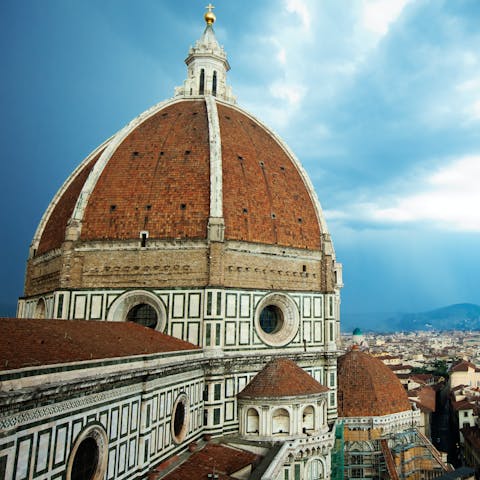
(210,16)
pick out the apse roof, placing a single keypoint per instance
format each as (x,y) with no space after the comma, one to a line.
(282,377)
(367,387)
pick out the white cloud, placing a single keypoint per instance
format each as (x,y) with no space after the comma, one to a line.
(300,8)
(378,15)
(449,199)
(292,93)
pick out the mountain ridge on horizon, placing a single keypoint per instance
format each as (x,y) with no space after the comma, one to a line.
(458,316)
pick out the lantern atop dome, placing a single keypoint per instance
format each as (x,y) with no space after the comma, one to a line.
(207,66)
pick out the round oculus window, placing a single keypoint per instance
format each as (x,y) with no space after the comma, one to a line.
(89,455)
(277,319)
(271,319)
(179,422)
(86,460)
(143,314)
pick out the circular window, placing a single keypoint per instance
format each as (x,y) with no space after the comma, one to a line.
(88,458)
(277,319)
(271,319)
(179,423)
(143,314)
(139,306)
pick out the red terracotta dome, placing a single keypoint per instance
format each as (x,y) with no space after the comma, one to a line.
(156,175)
(282,377)
(368,388)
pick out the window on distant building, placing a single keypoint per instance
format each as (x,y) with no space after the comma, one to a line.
(357,473)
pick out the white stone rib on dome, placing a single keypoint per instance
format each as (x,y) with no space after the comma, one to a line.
(115,142)
(45,217)
(295,161)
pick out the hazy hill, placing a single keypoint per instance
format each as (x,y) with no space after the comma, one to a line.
(462,316)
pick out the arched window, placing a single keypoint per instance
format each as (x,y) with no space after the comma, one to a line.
(252,421)
(201,90)
(315,470)
(308,419)
(86,460)
(40,309)
(214,84)
(280,422)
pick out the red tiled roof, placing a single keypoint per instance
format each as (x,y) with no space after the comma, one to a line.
(463,366)
(35,342)
(464,404)
(426,398)
(54,232)
(282,377)
(367,387)
(225,460)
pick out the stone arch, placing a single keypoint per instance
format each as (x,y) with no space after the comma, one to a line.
(40,308)
(315,469)
(252,421)
(308,419)
(125,303)
(280,422)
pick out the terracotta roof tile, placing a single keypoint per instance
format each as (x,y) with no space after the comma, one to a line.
(282,377)
(463,366)
(367,387)
(34,342)
(225,460)
(426,398)
(265,200)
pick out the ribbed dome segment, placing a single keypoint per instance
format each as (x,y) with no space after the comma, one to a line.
(282,377)
(54,231)
(158,180)
(368,388)
(265,199)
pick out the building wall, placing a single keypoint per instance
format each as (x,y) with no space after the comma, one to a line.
(38,440)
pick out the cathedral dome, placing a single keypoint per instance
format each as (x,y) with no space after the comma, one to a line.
(193,192)
(368,388)
(176,166)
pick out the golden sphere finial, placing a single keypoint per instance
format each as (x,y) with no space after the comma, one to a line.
(210,16)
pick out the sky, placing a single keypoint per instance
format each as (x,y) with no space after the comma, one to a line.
(379,99)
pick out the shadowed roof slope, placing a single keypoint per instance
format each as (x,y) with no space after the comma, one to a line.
(225,460)
(35,342)
(368,388)
(282,377)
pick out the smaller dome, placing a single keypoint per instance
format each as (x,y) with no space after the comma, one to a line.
(282,377)
(357,331)
(367,387)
